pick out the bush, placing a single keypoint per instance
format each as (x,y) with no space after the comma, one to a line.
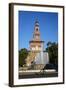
(22,56)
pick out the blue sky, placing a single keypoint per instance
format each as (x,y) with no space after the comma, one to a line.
(48,23)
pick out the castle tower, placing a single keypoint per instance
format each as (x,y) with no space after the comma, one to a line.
(35,44)
(36,53)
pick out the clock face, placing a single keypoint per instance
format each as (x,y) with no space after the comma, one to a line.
(36,29)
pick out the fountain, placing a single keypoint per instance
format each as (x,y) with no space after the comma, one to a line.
(42,57)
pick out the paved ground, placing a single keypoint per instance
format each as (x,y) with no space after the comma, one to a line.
(38,75)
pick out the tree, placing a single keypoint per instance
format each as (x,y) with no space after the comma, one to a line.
(49,44)
(22,56)
(52,49)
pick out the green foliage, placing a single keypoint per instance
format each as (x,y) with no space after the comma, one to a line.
(52,49)
(22,56)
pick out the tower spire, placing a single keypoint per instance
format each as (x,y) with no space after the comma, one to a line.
(36,34)
(35,44)
(36,22)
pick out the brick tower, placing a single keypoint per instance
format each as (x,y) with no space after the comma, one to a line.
(35,44)
(36,55)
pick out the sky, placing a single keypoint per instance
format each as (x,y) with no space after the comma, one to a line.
(48,24)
